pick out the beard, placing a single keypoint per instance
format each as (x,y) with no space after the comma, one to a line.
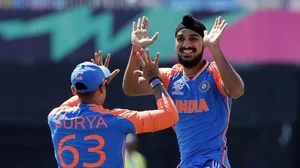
(192,63)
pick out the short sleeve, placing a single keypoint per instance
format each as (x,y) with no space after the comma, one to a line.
(217,78)
(167,73)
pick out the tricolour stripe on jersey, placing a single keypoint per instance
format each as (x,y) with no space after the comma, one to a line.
(224,133)
(186,77)
(123,151)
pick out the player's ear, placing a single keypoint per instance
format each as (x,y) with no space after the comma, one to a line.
(100,89)
(73,90)
(204,46)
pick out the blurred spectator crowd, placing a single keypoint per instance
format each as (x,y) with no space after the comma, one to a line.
(144,4)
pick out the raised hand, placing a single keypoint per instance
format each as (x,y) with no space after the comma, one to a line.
(139,35)
(98,61)
(213,37)
(150,69)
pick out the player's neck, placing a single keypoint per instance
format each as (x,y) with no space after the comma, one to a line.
(194,70)
(94,101)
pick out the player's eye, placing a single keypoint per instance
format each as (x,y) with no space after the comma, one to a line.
(180,39)
(193,39)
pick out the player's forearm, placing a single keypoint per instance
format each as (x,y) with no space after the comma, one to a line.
(160,92)
(232,81)
(166,115)
(130,80)
(154,120)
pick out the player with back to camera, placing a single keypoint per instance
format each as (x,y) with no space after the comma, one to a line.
(85,134)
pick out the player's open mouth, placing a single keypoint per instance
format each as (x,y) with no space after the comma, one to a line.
(187,53)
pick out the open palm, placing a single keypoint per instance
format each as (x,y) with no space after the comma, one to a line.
(139,35)
(214,36)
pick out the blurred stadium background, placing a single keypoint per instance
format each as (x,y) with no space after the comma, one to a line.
(42,40)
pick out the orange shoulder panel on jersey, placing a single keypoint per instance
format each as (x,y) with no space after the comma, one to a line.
(69,105)
(217,77)
(147,121)
(167,73)
(62,108)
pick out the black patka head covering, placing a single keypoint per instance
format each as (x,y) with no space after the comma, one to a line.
(189,22)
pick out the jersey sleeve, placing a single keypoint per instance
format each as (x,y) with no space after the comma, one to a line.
(218,80)
(167,73)
(165,76)
(152,120)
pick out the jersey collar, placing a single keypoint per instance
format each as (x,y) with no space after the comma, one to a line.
(186,77)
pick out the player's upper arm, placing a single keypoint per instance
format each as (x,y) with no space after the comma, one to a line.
(218,80)
(143,87)
(165,75)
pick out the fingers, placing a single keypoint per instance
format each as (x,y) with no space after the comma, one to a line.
(143,22)
(134,26)
(205,32)
(216,23)
(113,74)
(141,61)
(139,23)
(223,28)
(100,58)
(148,58)
(107,60)
(219,20)
(96,61)
(146,23)
(222,24)
(144,57)
(154,37)
(138,72)
(157,58)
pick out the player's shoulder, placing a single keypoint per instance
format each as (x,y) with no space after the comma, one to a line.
(60,109)
(114,112)
(119,111)
(171,71)
(212,67)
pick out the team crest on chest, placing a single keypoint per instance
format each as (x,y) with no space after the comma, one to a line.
(178,85)
(204,86)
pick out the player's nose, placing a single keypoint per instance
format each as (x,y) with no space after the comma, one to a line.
(186,44)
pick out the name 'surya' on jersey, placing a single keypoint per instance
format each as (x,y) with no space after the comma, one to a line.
(81,122)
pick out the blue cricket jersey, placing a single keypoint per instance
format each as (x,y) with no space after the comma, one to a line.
(204,110)
(86,135)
